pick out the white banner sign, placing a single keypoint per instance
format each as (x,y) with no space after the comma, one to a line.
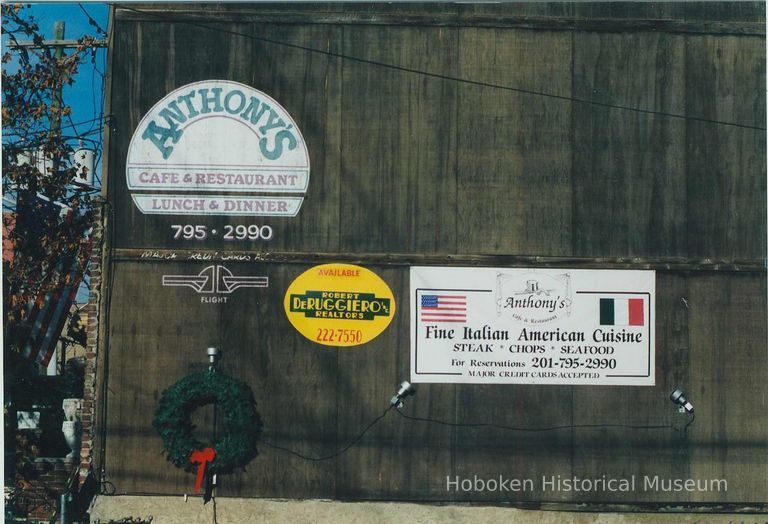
(532,326)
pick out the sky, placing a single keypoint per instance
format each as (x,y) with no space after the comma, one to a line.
(86,95)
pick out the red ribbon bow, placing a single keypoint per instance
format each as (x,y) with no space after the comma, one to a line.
(201,457)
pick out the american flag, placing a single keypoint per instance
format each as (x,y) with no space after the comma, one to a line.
(443,308)
(48,316)
(49,311)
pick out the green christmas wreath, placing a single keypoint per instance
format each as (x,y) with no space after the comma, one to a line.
(238,432)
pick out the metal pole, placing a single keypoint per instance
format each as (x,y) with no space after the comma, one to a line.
(63,508)
(214,354)
(63,357)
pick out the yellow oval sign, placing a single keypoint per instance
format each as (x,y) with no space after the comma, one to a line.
(339,304)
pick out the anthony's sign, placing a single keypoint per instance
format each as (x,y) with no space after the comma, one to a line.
(532,326)
(209,139)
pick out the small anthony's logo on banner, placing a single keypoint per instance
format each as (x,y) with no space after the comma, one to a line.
(339,304)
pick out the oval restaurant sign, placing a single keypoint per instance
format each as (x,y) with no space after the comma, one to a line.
(339,304)
(207,140)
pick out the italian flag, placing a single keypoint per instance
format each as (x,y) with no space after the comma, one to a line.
(622,312)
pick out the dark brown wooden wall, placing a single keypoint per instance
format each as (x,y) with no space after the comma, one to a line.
(407,165)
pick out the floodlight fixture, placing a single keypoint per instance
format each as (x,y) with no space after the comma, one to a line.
(678,397)
(214,354)
(406,390)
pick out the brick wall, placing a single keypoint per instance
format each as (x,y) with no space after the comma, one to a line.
(92,329)
(42,489)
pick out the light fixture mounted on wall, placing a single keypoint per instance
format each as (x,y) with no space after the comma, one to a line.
(406,390)
(678,397)
(214,354)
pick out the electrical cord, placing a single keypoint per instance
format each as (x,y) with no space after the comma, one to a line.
(107,243)
(336,453)
(685,428)
(354,441)
(107,488)
(529,429)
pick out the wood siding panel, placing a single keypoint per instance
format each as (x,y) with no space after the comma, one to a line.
(398,176)
(153,343)
(441,166)
(398,458)
(493,452)
(308,86)
(193,53)
(726,165)
(429,169)
(315,400)
(629,173)
(623,452)
(168,341)
(728,364)
(672,17)
(514,160)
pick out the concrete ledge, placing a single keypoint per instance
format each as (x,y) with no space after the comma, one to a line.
(171,510)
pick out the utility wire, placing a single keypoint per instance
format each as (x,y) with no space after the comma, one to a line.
(439,76)
(91,20)
(66,126)
(95,119)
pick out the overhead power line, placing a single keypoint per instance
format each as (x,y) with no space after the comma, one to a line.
(91,20)
(72,125)
(467,81)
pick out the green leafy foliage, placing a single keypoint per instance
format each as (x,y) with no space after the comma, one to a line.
(240,428)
